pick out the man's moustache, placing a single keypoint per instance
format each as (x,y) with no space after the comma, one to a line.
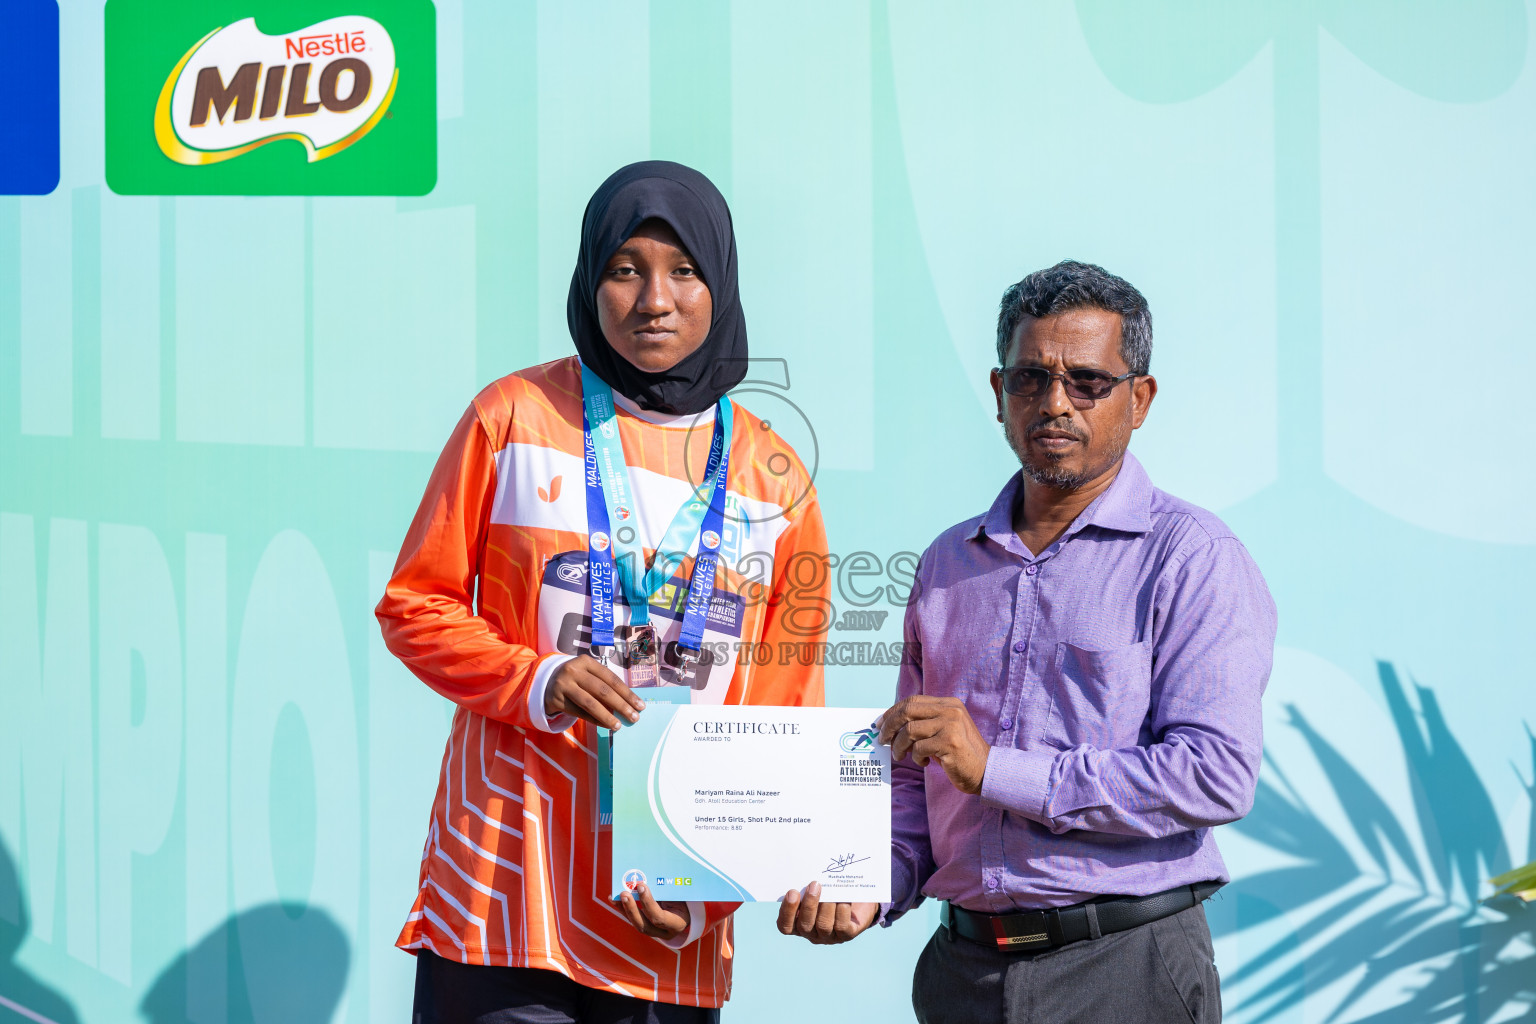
(1060,428)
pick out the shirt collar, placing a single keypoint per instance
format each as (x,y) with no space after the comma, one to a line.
(998,522)
(1124,506)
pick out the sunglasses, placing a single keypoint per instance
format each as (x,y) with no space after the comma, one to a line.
(1083,385)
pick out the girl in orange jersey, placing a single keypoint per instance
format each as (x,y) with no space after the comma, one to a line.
(492,605)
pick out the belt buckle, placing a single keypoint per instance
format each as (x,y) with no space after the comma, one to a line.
(1013,932)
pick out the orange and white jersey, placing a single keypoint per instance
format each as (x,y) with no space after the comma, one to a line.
(491,583)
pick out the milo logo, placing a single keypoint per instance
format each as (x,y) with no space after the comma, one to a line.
(324,87)
(271,97)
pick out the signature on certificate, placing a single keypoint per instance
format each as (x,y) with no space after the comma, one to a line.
(843,863)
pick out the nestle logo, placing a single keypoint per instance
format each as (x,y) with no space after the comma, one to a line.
(324,45)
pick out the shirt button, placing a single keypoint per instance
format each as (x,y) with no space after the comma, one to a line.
(1032,570)
(991,881)
(1019,647)
(1006,723)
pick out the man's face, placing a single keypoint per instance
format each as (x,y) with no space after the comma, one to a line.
(1062,442)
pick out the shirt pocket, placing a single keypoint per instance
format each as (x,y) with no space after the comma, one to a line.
(1099,698)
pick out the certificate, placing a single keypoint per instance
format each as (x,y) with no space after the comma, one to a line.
(744,803)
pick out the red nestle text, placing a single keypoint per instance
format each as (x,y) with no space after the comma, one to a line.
(324,46)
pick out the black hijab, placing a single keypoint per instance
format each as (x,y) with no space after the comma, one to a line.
(696,210)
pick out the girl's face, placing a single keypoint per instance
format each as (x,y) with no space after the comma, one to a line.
(652,305)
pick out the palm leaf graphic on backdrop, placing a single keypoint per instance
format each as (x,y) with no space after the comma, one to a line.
(1170,51)
(1520,882)
(1395,919)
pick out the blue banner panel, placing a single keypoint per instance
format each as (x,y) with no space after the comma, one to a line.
(29,78)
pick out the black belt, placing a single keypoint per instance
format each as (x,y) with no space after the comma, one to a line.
(1040,929)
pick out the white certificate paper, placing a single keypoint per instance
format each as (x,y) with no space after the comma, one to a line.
(745,803)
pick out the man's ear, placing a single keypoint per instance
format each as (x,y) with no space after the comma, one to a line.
(1143,390)
(997,391)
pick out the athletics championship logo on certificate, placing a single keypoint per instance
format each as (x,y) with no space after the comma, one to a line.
(271,97)
(859,741)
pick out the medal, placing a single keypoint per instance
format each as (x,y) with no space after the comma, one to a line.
(640,651)
(613,550)
(642,644)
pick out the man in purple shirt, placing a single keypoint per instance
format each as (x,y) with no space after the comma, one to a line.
(1082,704)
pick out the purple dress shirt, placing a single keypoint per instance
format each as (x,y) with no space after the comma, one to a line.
(1117,676)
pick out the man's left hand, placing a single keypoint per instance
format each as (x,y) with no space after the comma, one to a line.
(825,924)
(937,729)
(665,920)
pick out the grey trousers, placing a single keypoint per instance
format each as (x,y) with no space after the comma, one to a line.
(1163,971)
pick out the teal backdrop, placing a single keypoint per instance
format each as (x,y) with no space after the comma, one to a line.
(217,416)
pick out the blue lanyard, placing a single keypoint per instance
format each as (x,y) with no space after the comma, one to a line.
(610,500)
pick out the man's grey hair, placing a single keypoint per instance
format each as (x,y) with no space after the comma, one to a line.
(1073,285)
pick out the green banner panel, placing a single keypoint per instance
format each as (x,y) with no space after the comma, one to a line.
(274,97)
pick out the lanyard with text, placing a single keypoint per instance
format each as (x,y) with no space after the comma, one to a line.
(612,538)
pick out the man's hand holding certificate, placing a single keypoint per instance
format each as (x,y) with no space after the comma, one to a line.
(743,803)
